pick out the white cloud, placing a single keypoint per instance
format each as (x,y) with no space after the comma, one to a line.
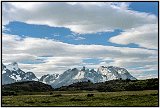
(26,67)
(139,28)
(57,65)
(80,38)
(75,37)
(136,62)
(145,36)
(121,5)
(147,76)
(55,48)
(63,61)
(56,57)
(79,17)
(22,57)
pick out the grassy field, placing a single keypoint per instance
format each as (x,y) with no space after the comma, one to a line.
(80,98)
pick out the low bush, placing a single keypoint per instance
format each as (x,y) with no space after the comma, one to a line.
(45,101)
(51,93)
(90,95)
(9,93)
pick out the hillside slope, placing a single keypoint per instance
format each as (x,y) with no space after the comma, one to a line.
(114,85)
(27,86)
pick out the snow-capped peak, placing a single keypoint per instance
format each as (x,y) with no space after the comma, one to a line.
(14,63)
(80,75)
(12,73)
(83,69)
(49,78)
(112,72)
(13,66)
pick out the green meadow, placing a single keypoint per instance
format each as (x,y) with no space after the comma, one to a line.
(84,98)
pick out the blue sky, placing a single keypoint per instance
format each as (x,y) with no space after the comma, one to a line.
(89,28)
(59,33)
(149,7)
(66,35)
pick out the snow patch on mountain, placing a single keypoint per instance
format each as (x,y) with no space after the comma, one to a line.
(80,75)
(12,73)
(12,67)
(101,75)
(48,79)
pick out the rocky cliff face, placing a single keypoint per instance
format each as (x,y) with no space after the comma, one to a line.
(12,73)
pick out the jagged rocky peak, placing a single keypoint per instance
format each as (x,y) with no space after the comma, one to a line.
(104,68)
(74,69)
(92,70)
(12,73)
(49,78)
(112,72)
(13,66)
(30,76)
(83,69)
(14,63)
(101,68)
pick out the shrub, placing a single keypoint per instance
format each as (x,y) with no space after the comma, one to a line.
(90,95)
(9,93)
(45,101)
(51,93)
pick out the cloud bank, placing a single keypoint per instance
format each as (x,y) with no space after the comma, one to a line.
(145,36)
(49,56)
(78,17)
(55,56)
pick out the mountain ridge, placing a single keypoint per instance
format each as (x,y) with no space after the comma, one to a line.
(113,85)
(26,86)
(12,73)
(102,74)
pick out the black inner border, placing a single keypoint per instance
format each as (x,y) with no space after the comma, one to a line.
(78,1)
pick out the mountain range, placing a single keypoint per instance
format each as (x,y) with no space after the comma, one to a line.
(12,73)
